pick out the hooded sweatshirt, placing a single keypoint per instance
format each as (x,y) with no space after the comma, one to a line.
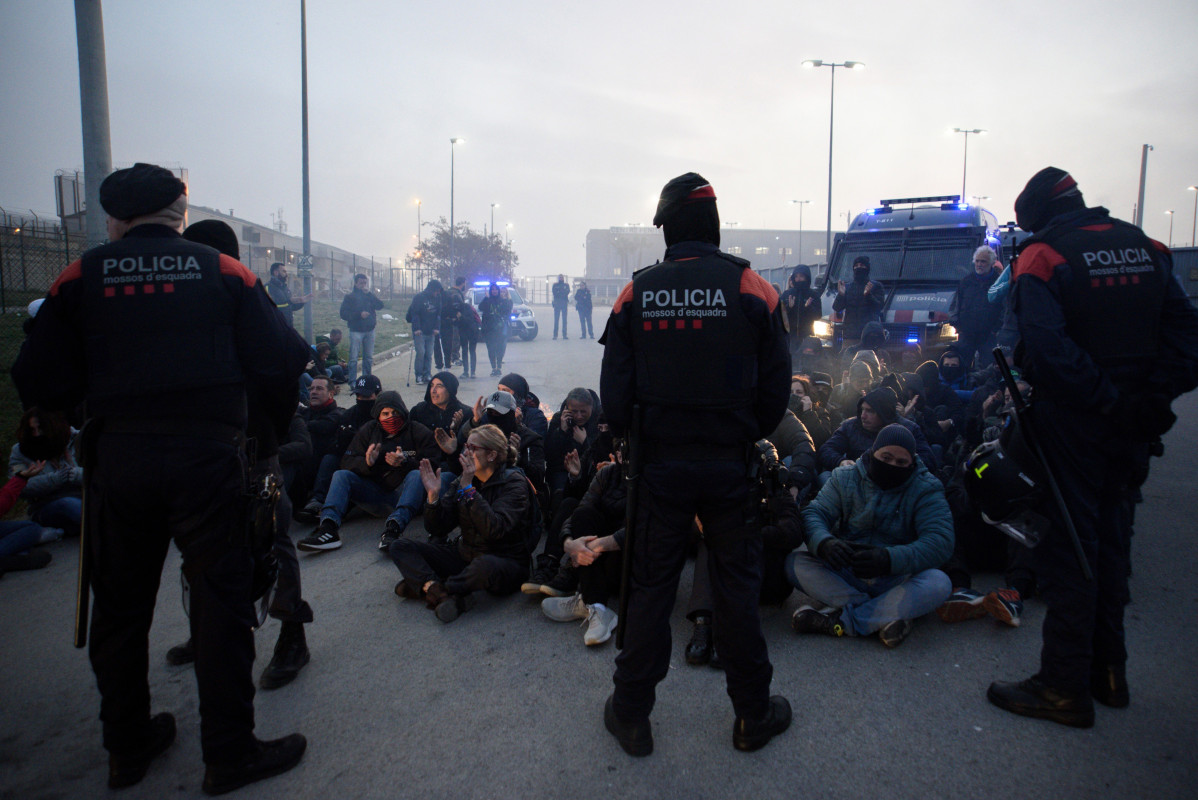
(800,314)
(413,439)
(429,415)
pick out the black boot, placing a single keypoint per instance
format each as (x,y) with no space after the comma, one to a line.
(698,651)
(1031,698)
(291,654)
(266,760)
(128,768)
(1108,685)
(753,734)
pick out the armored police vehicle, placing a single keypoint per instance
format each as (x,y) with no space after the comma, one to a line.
(919,248)
(523,324)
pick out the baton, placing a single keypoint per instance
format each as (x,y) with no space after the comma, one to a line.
(632,478)
(1033,442)
(83,580)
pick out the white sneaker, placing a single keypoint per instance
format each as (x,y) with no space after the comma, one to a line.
(601,623)
(564,609)
(51,535)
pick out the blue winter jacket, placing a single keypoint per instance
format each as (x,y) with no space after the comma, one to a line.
(911,521)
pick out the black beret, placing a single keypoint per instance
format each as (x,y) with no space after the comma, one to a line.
(139,190)
(214,233)
(1050,192)
(683,190)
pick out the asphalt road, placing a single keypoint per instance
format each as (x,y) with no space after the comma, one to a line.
(505,703)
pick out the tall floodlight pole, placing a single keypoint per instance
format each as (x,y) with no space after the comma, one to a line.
(455,140)
(1170,213)
(493,207)
(306,260)
(93,105)
(800,204)
(418,227)
(1194,229)
(965,165)
(1143,175)
(809,64)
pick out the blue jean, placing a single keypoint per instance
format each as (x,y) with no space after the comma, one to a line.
(425,342)
(17,536)
(360,341)
(562,313)
(65,513)
(867,605)
(397,504)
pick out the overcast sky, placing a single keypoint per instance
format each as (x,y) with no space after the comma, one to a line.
(575,115)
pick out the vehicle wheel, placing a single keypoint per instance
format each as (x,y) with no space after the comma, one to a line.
(528,337)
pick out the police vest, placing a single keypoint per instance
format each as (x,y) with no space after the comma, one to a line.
(156,318)
(694,345)
(1113,303)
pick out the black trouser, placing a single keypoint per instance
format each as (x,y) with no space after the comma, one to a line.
(584,322)
(449,343)
(671,494)
(970,342)
(562,313)
(496,347)
(775,587)
(143,491)
(421,562)
(598,581)
(469,356)
(288,604)
(1092,462)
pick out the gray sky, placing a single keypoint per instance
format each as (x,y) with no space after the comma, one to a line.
(574,116)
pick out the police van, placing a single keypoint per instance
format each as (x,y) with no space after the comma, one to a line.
(919,249)
(523,323)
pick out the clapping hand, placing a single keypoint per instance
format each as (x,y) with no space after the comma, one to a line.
(372,454)
(447,443)
(431,480)
(573,464)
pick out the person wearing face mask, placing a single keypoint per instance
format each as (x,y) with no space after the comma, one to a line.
(856,435)
(499,410)
(802,306)
(55,497)
(527,402)
(491,505)
(861,300)
(366,391)
(876,534)
(952,370)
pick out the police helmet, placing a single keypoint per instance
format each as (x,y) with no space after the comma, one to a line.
(1007,495)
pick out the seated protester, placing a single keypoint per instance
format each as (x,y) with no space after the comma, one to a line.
(856,435)
(366,392)
(528,403)
(793,444)
(441,408)
(55,496)
(500,411)
(17,537)
(944,410)
(910,357)
(821,388)
(573,429)
(592,537)
(322,417)
(781,533)
(873,340)
(335,366)
(295,451)
(811,356)
(378,473)
(952,370)
(844,399)
(875,360)
(805,405)
(876,533)
(492,505)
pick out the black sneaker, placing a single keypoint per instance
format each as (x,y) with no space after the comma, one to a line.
(749,735)
(808,620)
(181,654)
(961,605)
(310,512)
(893,633)
(127,769)
(325,537)
(391,532)
(1108,685)
(267,760)
(635,737)
(544,569)
(454,606)
(1031,698)
(563,584)
(34,559)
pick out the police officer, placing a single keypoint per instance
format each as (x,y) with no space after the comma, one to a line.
(159,337)
(698,341)
(1109,340)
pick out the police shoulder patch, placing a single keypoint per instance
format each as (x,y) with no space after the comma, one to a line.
(737,260)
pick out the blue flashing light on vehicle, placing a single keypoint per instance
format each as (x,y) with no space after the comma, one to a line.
(488,283)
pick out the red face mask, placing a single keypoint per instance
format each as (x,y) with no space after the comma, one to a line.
(391,426)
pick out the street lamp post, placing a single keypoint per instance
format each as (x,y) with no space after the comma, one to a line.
(493,207)
(418,204)
(1170,213)
(810,64)
(965,165)
(1194,228)
(452,142)
(800,204)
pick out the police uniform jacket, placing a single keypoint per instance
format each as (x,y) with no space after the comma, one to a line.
(715,345)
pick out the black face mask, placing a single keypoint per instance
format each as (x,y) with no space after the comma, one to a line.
(860,275)
(505,422)
(950,374)
(887,476)
(39,448)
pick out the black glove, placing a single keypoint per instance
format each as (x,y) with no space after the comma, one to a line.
(836,553)
(871,562)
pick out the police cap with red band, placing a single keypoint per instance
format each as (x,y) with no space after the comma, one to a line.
(139,190)
(682,191)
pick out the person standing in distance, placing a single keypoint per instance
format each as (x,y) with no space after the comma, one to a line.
(1107,350)
(277,288)
(561,304)
(582,302)
(164,460)
(357,309)
(699,342)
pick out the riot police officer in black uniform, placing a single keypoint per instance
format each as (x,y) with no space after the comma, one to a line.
(1109,340)
(698,341)
(159,337)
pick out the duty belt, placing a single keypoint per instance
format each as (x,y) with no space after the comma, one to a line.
(202,428)
(656,450)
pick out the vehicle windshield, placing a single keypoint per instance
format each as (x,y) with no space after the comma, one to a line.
(479,292)
(935,257)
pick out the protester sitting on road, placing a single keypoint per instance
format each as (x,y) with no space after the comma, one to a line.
(527,403)
(952,371)
(18,537)
(492,505)
(378,473)
(572,432)
(55,496)
(499,410)
(441,409)
(322,417)
(592,538)
(859,380)
(945,412)
(336,364)
(810,411)
(876,533)
(856,434)
(350,420)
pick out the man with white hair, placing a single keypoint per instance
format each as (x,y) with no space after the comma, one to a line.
(974,316)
